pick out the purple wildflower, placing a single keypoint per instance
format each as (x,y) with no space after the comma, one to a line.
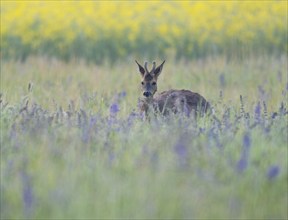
(27,194)
(243,161)
(122,94)
(242,164)
(181,150)
(246,142)
(92,122)
(154,159)
(202,130)
(132,116)
(85,135)
(114,109)
(8,168)
(273,172)
(282,109)
(111,158)
(258,111)
(262,93)
(86,130)
(119,96)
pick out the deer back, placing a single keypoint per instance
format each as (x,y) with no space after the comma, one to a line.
(176,101)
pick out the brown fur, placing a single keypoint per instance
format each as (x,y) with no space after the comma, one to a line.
(171,101)
(175,101)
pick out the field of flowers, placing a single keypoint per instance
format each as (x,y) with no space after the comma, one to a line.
(113,30)
(72,145)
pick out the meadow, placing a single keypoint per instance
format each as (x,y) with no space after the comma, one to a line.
(73,144)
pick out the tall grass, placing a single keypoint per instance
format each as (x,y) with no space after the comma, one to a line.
(73,147)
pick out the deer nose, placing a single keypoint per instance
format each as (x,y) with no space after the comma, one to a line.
(147,94)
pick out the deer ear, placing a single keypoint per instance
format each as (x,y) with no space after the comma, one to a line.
(141,69)
(158,70)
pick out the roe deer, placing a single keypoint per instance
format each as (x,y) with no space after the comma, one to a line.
(171,101)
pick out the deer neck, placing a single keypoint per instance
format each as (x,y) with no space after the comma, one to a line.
(149,101)
(146,105)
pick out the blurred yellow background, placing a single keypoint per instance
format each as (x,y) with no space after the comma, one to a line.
(96,30)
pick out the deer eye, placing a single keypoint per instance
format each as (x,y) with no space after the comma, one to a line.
(142,83)
(153,83)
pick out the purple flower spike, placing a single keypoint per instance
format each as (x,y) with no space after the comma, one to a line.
(258,111)
(182,153)
(181,150)
(246,142)
(122,94)
(114,108)
(273,172)
(242,164)
(111,158)
(27,194)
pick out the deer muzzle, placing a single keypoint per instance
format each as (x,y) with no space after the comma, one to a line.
(147,94)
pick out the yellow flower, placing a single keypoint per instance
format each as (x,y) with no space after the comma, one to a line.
(213,22)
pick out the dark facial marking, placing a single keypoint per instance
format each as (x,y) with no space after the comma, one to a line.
(148,77)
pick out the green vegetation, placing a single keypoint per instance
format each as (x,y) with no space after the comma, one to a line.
(73,147)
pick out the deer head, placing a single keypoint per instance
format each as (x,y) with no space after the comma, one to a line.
(149,79)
